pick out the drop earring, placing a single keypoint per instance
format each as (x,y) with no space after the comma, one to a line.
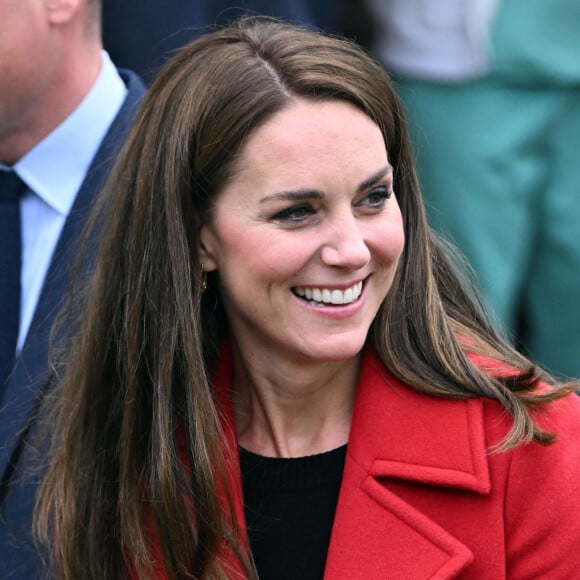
(203,280)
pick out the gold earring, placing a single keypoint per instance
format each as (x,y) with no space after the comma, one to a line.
(203,280)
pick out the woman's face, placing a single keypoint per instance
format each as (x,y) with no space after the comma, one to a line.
(307,235)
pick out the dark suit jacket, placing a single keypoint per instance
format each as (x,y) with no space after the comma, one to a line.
(18,556)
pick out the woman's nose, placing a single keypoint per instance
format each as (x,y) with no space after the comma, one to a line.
(346,246)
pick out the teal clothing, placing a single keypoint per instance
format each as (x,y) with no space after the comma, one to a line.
(537,42)
(499,163)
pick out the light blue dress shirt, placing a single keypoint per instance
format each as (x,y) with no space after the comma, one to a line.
(54,171)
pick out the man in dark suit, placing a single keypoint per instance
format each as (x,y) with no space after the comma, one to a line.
(64,111)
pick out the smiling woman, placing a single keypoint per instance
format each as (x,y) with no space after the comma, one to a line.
(310,212)
(333,402)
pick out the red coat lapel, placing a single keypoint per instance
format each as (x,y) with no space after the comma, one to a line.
(399,434)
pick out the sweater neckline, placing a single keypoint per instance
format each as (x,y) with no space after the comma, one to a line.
(285,473)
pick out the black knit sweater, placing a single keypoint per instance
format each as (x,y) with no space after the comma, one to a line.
(289,507)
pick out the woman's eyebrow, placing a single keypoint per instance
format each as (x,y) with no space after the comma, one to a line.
(294,195)
(306,194)
(375,178)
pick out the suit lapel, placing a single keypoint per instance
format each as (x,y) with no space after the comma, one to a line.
(23,390)
(399,435)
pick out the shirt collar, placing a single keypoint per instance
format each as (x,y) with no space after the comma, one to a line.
(53,169)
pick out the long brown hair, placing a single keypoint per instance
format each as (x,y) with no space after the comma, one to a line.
(136,376)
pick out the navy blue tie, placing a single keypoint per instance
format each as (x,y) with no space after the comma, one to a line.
(11,189)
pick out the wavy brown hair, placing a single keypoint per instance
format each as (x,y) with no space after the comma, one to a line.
(145,337)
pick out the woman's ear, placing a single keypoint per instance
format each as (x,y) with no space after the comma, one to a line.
(207,249)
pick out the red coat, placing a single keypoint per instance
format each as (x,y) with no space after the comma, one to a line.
(422,498)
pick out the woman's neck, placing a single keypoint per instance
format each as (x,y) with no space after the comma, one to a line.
(286,409)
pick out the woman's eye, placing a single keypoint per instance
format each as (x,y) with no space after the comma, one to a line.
(376,198)
(294,214)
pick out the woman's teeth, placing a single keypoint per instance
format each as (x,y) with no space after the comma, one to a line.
(328,296)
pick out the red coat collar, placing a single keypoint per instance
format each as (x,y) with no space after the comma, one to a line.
(400,434)
(396,434)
